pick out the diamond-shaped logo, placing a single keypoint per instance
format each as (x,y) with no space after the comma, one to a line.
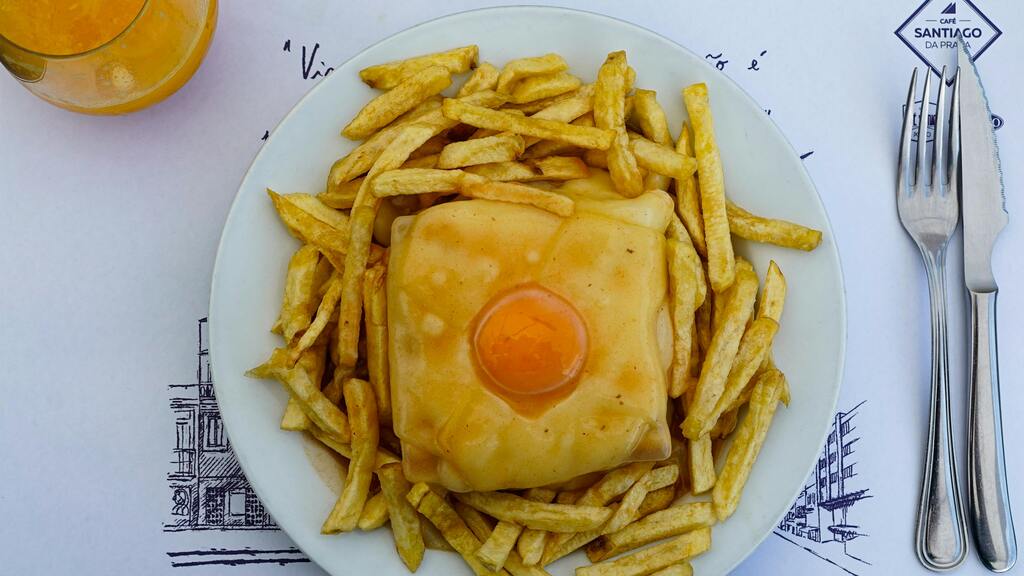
(933,30)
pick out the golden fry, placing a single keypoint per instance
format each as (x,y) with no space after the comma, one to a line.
(721,261)
(661,159)
(582,136)
(391,74)
(383,458)
(702,464)
(654,126)
(375,312)
(747,443)
(362,411)
(323,315)
(683,289)
(299,383)
(725,341)
(405,523)
(531,542)
(688,196)
(610,114)
(449,523)
(545,86)
(502,147)
(294,419)
(521,194)
(521,68)
(549,168)
(613,484)
(629,507)
(773,295)
(537,515)
(495,550)
(485,77)
(771,231)
(390,105)
(361,159)
(298,303)
(332,242)
(754,347)
(416,181)
(659,499)
(656,526)
(654,558)
(375,513)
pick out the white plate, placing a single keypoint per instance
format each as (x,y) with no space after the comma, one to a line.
(762,172)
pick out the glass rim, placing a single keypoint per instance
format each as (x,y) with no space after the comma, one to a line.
(115,38)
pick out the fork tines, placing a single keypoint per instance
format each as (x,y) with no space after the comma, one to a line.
(945,147)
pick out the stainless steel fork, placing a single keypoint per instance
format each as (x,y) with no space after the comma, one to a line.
(929,212)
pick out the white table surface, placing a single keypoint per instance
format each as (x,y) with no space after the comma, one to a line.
(110,227)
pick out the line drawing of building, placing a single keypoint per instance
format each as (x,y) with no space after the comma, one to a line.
(823,512)
(207,489)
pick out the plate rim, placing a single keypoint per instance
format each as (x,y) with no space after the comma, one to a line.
(232,215)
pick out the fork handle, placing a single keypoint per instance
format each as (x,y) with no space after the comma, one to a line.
(989,501)
(941,531)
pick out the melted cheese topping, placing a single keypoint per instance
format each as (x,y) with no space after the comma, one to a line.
(448,264)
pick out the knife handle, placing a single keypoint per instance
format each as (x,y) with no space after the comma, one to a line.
(986,472)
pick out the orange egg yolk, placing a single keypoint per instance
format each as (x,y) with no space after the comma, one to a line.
(530,340)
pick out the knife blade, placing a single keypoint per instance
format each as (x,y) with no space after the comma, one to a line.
(984,200)
(984,215)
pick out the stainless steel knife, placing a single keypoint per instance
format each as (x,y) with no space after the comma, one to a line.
(984,216)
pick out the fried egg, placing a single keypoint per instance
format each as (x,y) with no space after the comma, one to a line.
(525,348)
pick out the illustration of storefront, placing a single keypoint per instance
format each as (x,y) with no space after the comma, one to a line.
(207,490)
(821,512)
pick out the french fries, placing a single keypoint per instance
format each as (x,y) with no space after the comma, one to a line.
(548,168)
(416,181)
(390,105)
(724,344)
(405,522)
(485,77)
(365,434)
(503,147)
(753,350)
(521,194)
(331,241)
(375,312)
(688,196)
(449,523)
(297,304)
(545,86)
(516,70)
(531,133)
(537,515)
(656,526)
(582,136)
(654,558)
(749,438)
(684,270)
(391,74)
(721,262)
(610,114)
(375,513)
(702,464)
(661,159)
(654,126)
(770,231)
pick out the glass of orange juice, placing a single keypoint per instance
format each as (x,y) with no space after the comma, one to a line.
(104,56)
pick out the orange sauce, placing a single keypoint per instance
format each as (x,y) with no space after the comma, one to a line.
(105,56)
